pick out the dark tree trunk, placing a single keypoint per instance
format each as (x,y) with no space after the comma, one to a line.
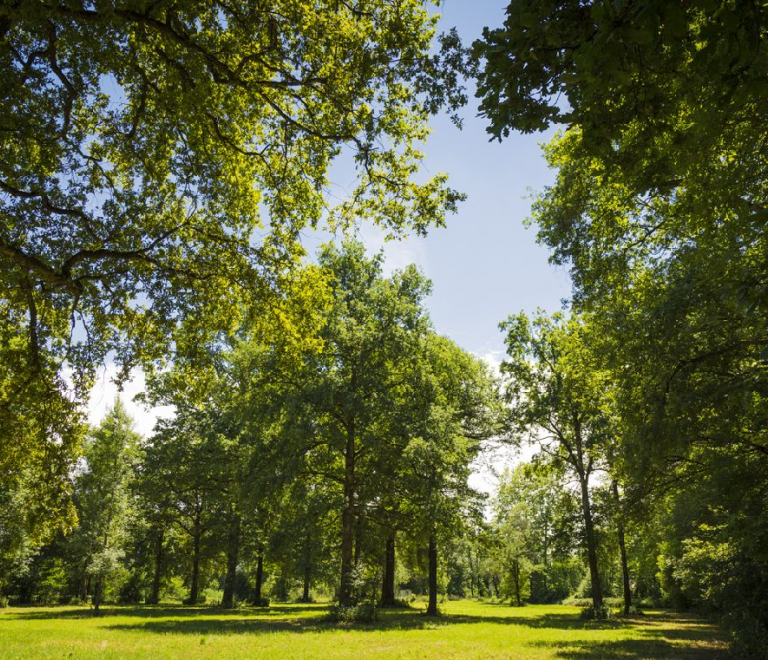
(346,595)
(154,597)
(388,587)
(307,569)
(193,590)
(97,595)
(228,598)
(624,565)
(259,578)
(432,607)
(85,587)
(516,579)
(594,574)
(495,582)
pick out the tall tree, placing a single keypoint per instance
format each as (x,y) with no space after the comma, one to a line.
(556,393)
(103,497)
(347,391)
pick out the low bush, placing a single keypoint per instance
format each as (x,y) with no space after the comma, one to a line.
(362,613)
(596,613)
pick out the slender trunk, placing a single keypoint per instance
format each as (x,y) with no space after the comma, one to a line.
(432,607)
(346,595)
(623,549)
(594,575)
(228,597)
(495,586)
(388,588)
(97,595)
(516,578)
(154,597)
(259,578)
(307,569)
(195,564)
(85,586)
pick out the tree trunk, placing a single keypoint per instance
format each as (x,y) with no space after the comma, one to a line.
(97,595)
(594,575)
(228,597)
(388,587)
(259,578)
(346,595)
(154,597)
(432,607)
(307,569)
(623,549)
(516,578)
(193,590)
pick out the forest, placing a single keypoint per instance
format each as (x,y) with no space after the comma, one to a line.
(161,164)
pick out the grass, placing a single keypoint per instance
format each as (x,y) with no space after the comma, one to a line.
(468,629)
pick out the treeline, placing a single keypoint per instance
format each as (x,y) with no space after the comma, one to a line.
(313,464)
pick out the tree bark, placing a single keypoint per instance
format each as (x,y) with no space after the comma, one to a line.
(307,569)
(193,590)
(516,577)
(594,574)
(154,597)
(97,595)
(228,597)
(624,564)
(432,607)
(346,595)
(259,579)
(388,587)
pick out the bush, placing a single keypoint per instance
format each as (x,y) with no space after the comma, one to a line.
(262,602)
(596,613)
(363,613)
(749,636)
(3,601)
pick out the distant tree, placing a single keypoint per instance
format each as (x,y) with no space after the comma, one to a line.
(103,498)
(556,393)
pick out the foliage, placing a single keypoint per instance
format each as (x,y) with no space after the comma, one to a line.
(160,163)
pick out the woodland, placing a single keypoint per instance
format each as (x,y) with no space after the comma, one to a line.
(159,162)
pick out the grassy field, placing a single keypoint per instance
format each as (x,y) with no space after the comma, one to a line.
(468,629)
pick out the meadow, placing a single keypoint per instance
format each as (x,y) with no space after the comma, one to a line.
(466,629)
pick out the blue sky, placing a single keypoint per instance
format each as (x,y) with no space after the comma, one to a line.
(485,264)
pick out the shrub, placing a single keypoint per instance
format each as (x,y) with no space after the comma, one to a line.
(749,636)
(262,602)
(362,613)
(3,601)
(596,613)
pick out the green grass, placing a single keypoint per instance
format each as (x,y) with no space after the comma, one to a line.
(467,629)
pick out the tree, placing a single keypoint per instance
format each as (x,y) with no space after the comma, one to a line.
(185,461)
(103,498)
(454,410)
(556,395)
(345,395)
(659,208)
(144,145)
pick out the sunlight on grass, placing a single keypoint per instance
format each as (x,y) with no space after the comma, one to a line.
(468,629)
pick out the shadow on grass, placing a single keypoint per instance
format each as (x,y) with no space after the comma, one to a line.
(157,611)
(663,634)
(633,648)
(253,621)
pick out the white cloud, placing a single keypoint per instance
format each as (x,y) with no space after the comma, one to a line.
(105,392)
